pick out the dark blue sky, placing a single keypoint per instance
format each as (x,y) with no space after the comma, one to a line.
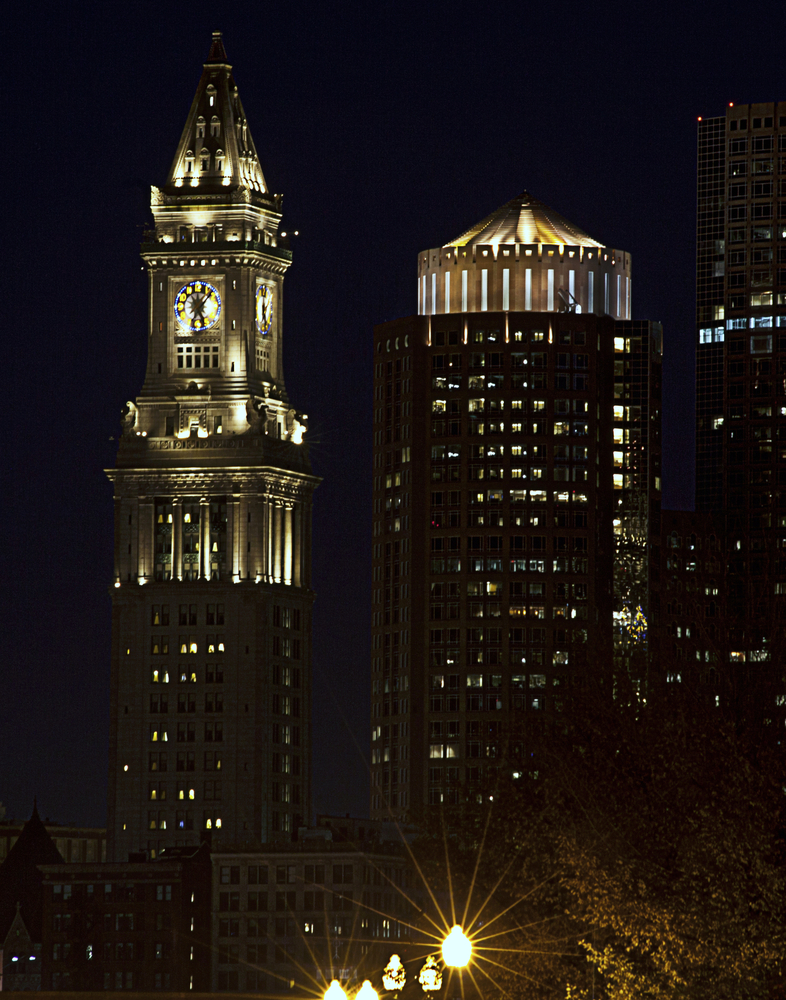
(390,128)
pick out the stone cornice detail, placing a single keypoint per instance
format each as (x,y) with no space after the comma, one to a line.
(242,255)
(270,483)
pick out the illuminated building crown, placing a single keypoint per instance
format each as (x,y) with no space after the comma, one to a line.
(216,150)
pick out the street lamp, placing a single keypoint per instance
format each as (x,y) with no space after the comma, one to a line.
(456,948)
(367,992)
(335,991)
(394,977)
(430,977)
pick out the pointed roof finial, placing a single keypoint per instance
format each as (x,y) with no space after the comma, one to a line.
(216,150)
(217,54)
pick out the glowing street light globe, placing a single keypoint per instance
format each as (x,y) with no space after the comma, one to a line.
(335,992)
(430,977)
(367,992)
(456,948)
(395,975)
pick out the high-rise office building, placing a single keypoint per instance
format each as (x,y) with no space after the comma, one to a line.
(211,615)
(741,363)
(516,478)
(637,383)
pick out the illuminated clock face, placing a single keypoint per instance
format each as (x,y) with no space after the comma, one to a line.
(197,306)
(264,309)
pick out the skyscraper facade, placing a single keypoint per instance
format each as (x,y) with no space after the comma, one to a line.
(211,603)
(516,449)
(741,361)
(636,407)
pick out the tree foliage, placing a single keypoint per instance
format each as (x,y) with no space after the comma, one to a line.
(647,859)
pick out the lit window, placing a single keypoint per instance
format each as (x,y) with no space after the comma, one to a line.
(197,356)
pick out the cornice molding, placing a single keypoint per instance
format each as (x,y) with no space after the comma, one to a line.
(262,483)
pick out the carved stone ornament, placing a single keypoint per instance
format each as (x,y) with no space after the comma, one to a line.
(256,415)
(128,417)
(296,425)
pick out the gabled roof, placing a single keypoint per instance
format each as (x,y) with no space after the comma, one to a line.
(524,220)
(20,879)
(217,134)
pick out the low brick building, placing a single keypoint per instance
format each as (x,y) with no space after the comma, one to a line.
(288,916)
(140,925)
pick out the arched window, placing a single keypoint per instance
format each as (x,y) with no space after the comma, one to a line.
(200,128)
(219,160)
(215,126)
(211,94)
(204,159)
(189,161)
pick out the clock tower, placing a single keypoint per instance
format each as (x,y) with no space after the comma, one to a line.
(211,619)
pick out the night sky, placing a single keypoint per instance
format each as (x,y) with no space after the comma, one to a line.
(389,128)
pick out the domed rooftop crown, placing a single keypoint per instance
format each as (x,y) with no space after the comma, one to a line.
(524,220)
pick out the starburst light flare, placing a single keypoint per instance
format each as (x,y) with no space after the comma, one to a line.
(335,991)
(456,948)
(367,992)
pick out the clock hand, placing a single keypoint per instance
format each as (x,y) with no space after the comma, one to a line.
(198,307)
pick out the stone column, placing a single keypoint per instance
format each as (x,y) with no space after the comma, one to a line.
(287,539)
(119,536)
(277,547)
(177,538)
(297,559)
(257,536)
(231,561)
(264,538)
(145,529)
(204,538)
(270,542)
(307,543)
(242,538)
(150,542)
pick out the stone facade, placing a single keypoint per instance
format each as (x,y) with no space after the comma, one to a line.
(211,648)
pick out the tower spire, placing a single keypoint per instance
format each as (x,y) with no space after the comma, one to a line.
(216,151)
(217,54)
